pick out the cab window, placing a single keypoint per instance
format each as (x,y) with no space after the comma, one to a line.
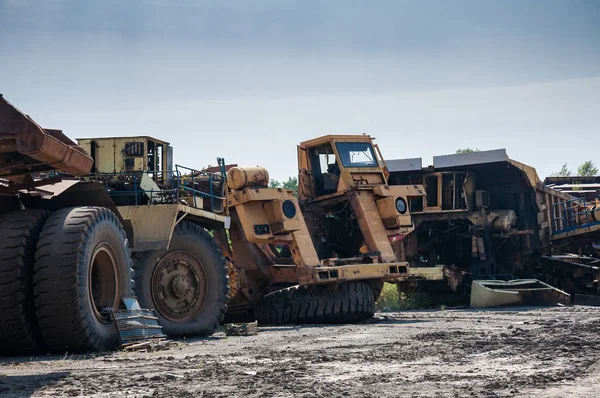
(325,170)
(356,154)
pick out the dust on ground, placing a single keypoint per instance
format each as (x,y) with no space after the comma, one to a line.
(524,351)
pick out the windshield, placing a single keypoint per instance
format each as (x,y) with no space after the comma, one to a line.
(356,154)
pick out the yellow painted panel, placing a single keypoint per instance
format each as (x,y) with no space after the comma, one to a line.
(152,225)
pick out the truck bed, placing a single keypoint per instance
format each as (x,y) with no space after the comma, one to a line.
(26,148)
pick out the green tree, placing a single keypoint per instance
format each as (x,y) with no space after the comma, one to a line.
(467,150)
(291,184)
(587,169)
(564,172)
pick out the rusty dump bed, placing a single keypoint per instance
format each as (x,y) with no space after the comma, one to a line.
(27,148)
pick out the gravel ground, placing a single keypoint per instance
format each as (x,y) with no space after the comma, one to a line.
(521,351)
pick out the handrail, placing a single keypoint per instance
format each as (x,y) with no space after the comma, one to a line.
(212,179)
(183,181)
(134,178)
(567,216)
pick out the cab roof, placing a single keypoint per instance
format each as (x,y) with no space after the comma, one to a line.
(144,137)
(325,139)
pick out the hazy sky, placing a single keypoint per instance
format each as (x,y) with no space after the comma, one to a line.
(249,80)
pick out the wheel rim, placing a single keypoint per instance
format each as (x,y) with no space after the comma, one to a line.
(179,286)
(104,281)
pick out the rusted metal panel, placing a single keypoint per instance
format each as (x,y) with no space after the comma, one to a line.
(388,272)
(205,215)
(38,149)
(138,138)
(242,177)
(263,220)
(368,218)
(326,139)
(466,159)
(584,231)
(69,193)
(147,227)
(390,199)
(410,164)
(284,274)
(429,273)
(253,195)
(152,225)
(30,187)
(496,293)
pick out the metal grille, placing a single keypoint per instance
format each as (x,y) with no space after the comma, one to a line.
(137,325)
(134,149)
(277,228)
(391,222)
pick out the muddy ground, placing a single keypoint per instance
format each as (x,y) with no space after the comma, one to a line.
(550,352)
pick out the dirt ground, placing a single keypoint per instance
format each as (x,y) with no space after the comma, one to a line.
(550,352)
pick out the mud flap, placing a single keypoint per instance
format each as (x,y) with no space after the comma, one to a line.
(496,293)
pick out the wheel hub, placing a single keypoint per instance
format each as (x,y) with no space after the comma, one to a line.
(103,281)
(179,286)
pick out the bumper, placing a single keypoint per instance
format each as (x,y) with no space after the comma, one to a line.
(384,272)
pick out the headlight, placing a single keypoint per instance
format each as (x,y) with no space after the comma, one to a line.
(289,209)
(401,205)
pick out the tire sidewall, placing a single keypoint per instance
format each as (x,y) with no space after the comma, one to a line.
(104,231)
(204,321)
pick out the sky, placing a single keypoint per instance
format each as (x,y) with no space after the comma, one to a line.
(250,80)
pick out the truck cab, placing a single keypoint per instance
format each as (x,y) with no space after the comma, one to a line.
(344,193)
(124,155)
(331,165)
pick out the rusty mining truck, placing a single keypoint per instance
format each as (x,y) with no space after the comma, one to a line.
(63,251)
(492,218)
(264,285)
(66,242)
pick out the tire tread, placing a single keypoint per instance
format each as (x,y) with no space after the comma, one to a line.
(350,302)
(60,301)
(19,232)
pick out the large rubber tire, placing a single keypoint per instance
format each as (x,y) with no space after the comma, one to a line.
(349,302)
(19,232)
(377,287)
(80,250)
(200,266)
